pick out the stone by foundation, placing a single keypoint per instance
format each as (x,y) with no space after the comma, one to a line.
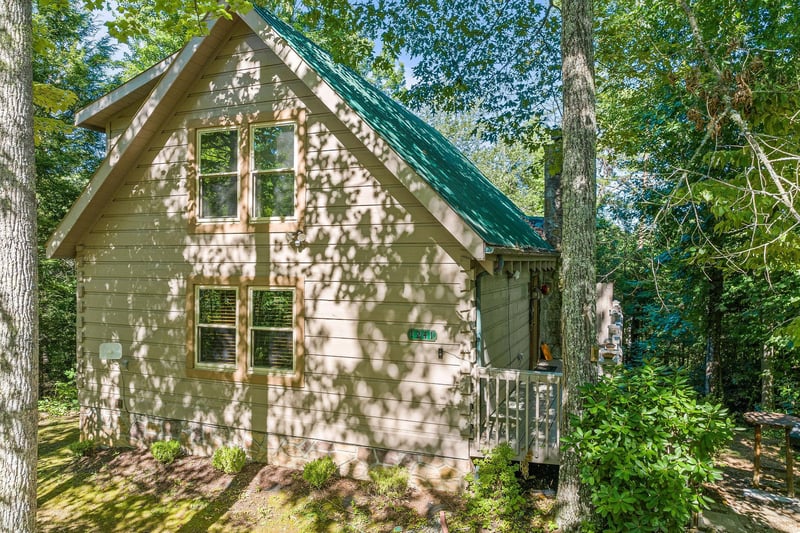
(118,428)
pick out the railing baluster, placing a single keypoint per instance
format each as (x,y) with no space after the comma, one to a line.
(558,416)
(547,419)
(525,409)
(480,418)
(538,416)
(497,409)
(507,418)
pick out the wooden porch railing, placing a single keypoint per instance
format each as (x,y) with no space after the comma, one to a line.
(522,408)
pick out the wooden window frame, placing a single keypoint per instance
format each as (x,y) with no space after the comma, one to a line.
(199,176)
(206,364)
(246,222)
(253,171)
(251,328)
(243,371)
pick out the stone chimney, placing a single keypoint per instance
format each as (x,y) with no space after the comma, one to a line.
(553,163)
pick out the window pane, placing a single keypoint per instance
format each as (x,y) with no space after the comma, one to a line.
(217,345)
(274,195)
(219,197)
(273,147)
(273,309)
(218,151)
(217,306)
(273,349)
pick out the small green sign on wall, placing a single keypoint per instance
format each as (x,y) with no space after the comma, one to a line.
(421,335)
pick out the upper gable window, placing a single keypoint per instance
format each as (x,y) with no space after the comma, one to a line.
(219,174)
(273,171)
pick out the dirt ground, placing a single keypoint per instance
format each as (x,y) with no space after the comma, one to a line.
(733,510)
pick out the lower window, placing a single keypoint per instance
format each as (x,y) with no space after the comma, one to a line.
(271,331)
(216,326)
(247,332)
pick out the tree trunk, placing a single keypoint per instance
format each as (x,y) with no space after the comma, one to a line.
(18,317)
(711,385)
(767,378)
(578,242)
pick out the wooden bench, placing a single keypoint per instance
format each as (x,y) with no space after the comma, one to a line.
(774,420)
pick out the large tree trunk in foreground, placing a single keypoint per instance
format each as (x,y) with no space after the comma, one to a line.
(578,242)
(18,318)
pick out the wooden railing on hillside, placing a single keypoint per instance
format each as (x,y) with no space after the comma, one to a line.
(522,408)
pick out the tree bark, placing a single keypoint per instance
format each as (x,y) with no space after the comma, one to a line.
(711,385)
(767,378)
(18,317)
(578,243)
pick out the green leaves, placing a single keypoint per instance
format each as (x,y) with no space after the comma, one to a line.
(646,446)
(495,497)
(502,57)
(713,122)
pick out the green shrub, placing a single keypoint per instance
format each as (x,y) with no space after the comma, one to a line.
(494,497)
(319,471)
(83,448)
(229,459)
(63,398)
(165,451)
(646,445)
(389,481)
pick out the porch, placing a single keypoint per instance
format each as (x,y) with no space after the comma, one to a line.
(520,407)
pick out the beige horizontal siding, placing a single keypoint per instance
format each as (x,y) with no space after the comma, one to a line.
(375,264)
(277,411)
(505,320)
(135,248)
(109,279)
(119,123)
(380,293)
(330,390)
(168,358)
(225,95)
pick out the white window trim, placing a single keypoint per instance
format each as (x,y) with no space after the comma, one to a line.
(205,365)
(251,368)
(237,173)
(254,171)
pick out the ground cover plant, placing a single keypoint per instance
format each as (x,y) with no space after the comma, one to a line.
(229,459)
(128,490)
(389,481)
(495,498)
(319,471)
(165,451)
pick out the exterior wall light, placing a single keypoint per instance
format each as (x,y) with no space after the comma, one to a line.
(297,239)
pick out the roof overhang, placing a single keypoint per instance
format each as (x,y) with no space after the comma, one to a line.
(160,102)
(96,115)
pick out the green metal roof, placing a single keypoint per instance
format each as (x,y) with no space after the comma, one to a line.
(490,213)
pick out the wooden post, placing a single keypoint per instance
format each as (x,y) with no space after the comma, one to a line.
(789,462)
(757,457)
